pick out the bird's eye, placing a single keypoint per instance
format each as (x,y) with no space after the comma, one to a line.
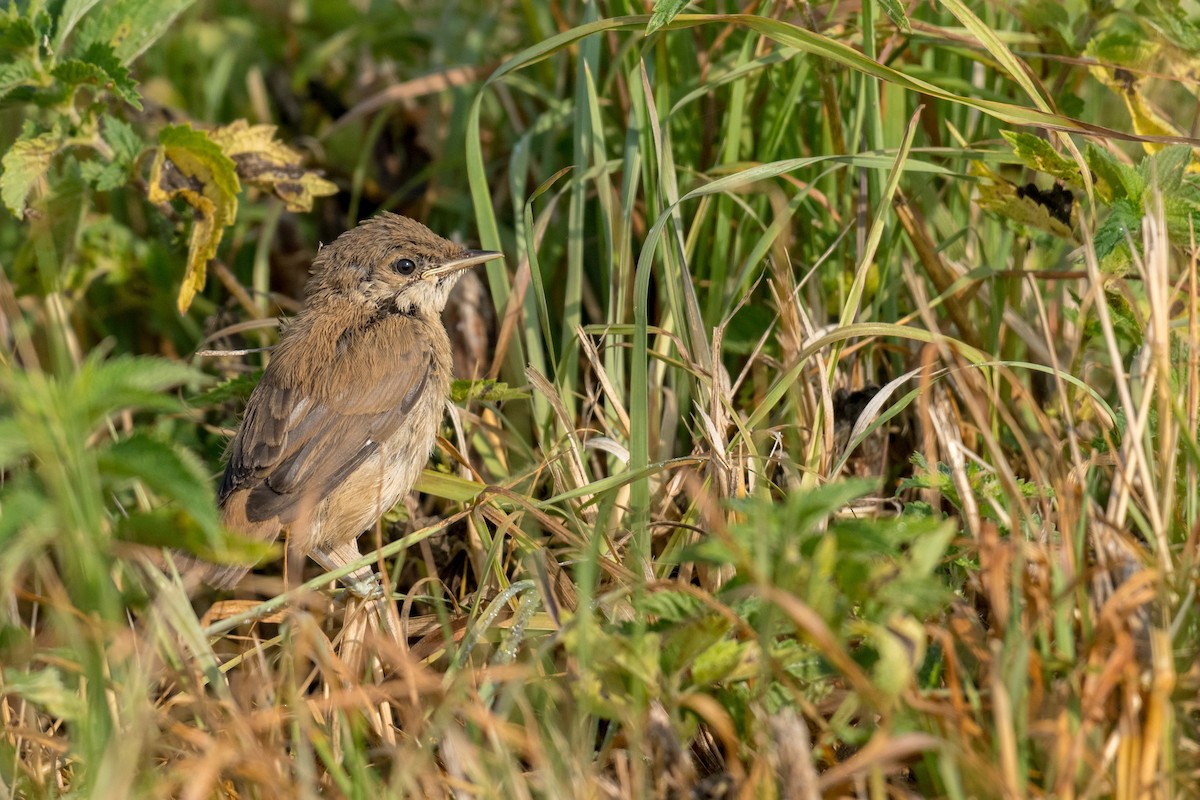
(405,266)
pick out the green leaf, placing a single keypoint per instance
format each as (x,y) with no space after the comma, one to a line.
(15,75)
(664,11)
(101,388)
(1124,221)
(104,177)
(99,67)
(1115,180)
(14,444)
(172,527)
(484,391)
(895,11)
(129,26)
(171,473)
(719,661)
(126,143)
(126,146)
(1037,154)
(1166,168)
(26,163)
(671,606)
(449,487)
(16,34)
(236,388)
(45,688)
(68,18)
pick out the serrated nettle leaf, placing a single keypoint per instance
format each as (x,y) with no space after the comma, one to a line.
(104,177)
(671,606)
(895,12)
(1026,208)
(17,74)
(1183,219)
(174,528)
(238,387)
(1115,179)
(26,163)
(267,163)
(170,472)
(17,34)
(664,11)
(1038,154)
(126,143)
(189,166)
(129,26)
(101,388)
(1166,168)
(74,73)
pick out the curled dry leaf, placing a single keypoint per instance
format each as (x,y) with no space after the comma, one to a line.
(203,168)
(271,165)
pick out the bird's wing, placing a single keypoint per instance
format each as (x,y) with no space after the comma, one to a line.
(296,445)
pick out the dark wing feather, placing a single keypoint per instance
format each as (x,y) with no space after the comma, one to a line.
(295,444)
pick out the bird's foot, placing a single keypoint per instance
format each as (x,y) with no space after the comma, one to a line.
(365,587)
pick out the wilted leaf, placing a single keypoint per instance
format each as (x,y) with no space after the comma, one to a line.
(1037,154)
(1018,205)
(271,165)
(25,163)
(1127,50)
(191,167)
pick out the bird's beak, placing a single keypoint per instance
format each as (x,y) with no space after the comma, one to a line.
(468,259)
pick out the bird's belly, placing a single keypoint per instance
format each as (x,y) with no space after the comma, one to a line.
(377,485)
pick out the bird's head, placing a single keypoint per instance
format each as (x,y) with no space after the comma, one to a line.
(392,263)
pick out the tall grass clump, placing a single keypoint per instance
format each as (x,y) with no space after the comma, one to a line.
(830,428)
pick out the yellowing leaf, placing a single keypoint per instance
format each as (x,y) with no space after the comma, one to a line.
(1147,120)
(191,167)
(1025,206)
(271,165)
(25,164)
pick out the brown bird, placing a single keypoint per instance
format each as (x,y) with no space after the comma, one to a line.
(346,413)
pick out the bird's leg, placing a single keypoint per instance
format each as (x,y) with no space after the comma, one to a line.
(363,582)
